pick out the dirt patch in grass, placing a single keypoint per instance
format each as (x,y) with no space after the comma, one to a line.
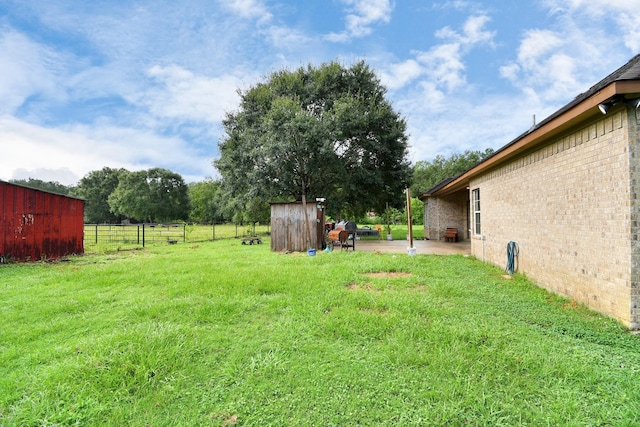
(388,275)
(571,305)
(355,287)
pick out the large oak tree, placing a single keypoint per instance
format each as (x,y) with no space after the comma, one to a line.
(96,187)
(151,195)
(315,132)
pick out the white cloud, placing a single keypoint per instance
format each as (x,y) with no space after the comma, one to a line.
(443,65)
(510,71)
(60,154)
(473,32)
(536,45)
(69,153)
(62,175)
(541,66)
(361,16)
(27,70)
(401,74)
(479,122)
(628,23)
(625,15)
(267,27)
(177,66)
(248,9)
(287,38)
(181,95)
(581,46)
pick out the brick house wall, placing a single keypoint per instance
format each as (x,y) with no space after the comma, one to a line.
(572,206)
(443,212)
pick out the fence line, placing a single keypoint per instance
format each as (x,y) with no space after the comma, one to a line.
(117,237)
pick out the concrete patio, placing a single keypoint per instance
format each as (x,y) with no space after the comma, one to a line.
(422,247)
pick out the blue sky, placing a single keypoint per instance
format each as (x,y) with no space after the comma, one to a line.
(139,84)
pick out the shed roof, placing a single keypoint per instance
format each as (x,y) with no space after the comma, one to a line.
(623,81)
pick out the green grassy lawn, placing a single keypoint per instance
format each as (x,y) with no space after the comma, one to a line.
(104,238)
(222,334)
(398,232)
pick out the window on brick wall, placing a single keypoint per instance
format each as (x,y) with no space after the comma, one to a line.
(476,210)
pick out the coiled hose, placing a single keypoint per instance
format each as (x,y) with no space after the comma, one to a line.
(513,250)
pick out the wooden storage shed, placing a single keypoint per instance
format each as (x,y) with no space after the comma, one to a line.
(288,231)
(36,224)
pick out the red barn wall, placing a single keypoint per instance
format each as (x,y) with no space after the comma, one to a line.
(35,224)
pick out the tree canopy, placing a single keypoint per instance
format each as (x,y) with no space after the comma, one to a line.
(319,132)
(204,201)
(96,187)
(38,184)
(426,174)
(151,195)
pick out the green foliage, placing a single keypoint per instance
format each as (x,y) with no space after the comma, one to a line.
(428,174)
(342,338)
(38,184)
(151,195)
(204,201)
(394,216)
(322,132)
(417,211)
(401,231)
(95,188)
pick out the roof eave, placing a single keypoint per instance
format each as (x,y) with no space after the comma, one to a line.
(547,129)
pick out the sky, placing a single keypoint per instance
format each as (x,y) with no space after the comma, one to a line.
(137,84)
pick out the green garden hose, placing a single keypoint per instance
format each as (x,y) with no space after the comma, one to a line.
(513,250)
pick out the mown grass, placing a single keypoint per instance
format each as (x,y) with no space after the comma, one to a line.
(398,232)
(224,334)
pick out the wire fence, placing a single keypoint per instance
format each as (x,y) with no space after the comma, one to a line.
(119,237)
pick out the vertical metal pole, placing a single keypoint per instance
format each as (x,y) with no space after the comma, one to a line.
(143,235)
(96,234)
(184,232)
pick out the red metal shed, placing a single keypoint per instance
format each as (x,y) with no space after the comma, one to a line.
(36,224)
